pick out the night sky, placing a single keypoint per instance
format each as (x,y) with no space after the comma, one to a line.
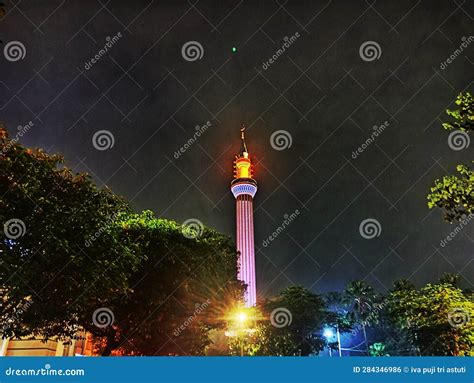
(324,91)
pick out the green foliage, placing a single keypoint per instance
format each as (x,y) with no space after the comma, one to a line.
(55,265)
(361,297)
(463,117)
(450,278)
(299,337)
(403,285)
(454,194)
(83,249)
(339,311)
(362,301)
(435,319)
(255,337)
(377,349)
(396,319)
(437,334)
(179,292)
(308,314)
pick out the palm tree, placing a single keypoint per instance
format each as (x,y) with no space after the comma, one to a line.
(361,297)
(338,315)
(335,301)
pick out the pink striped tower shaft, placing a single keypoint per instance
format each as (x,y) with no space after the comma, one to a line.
(245,246)
(243,188)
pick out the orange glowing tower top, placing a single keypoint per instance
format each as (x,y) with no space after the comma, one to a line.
(244,188)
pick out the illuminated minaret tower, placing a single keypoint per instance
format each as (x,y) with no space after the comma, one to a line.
(243,188)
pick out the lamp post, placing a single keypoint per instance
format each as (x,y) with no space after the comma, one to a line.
(328,333)
(338,340)
(239,320)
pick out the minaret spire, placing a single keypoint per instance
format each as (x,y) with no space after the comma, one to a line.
(244,187)
(243,148)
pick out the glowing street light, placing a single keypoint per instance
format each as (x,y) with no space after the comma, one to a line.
(241,318)
(328,333)
(241,321)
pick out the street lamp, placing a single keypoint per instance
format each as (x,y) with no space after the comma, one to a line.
(241,318)
(239,328)
(328,333)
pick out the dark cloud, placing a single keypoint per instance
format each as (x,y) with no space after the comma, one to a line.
(319,89)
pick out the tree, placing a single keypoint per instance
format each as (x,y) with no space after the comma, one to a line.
(463,117)
(308,315)
(361,298)
(61,254)
(179,292)
(396,319)
(454,194)
(339,316)
(74,256)
(293,325)
(443,321)
(435,319)
(336,302)
(450,278)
